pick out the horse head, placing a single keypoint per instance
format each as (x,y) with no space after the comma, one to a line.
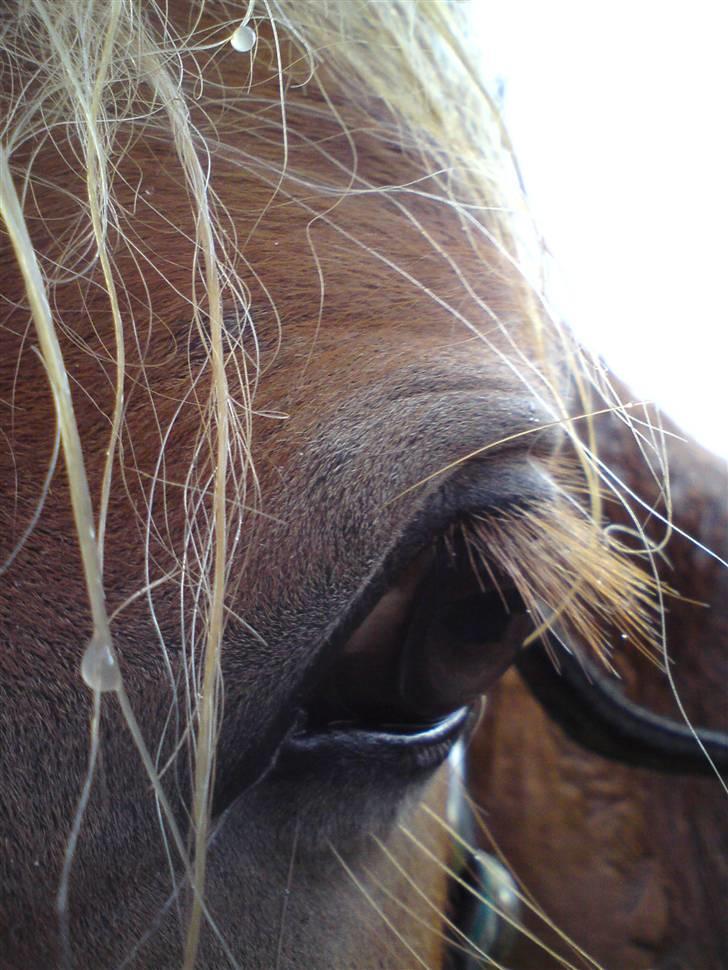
(296,461)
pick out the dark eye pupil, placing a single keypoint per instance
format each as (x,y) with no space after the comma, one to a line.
(480,618)
(458,645)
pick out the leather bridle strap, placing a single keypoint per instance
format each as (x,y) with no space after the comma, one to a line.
(592,711)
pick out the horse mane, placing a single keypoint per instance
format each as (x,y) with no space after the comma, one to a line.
(95,95)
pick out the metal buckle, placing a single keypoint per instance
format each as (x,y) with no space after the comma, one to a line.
(485,904)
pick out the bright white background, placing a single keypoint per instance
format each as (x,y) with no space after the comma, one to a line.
(619,115)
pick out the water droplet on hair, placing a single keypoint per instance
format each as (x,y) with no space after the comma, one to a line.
(99,667)
(243,39)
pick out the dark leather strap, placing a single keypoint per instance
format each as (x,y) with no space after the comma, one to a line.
(592,711)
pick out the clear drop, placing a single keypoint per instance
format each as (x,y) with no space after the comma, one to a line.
(99,667)
(243,39)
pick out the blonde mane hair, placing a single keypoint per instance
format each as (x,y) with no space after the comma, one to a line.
(89,83)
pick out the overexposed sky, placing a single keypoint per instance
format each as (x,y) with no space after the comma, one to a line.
(619,115)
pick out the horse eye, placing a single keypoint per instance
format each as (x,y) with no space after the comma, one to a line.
(433,643)
(464,633)
(459,653)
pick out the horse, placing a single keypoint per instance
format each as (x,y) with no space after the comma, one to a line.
(298,464)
